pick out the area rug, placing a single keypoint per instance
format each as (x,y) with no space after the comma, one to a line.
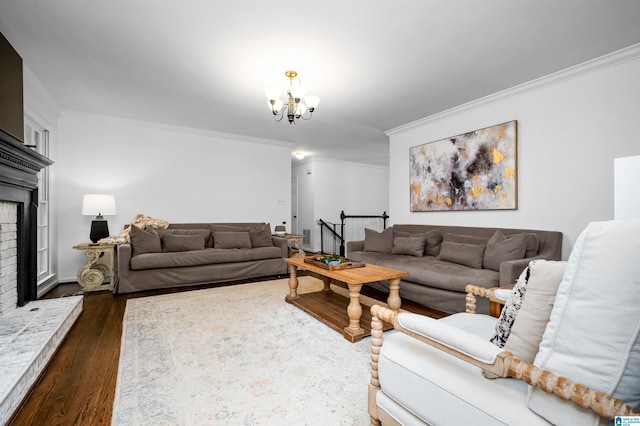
(237,355)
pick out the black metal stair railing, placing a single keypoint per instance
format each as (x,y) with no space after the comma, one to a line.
(351,227)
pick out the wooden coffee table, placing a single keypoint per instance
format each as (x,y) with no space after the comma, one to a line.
(329,307)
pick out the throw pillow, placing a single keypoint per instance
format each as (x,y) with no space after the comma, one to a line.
(433,244)
(529,325)
(411,246)
(260,234)
(501,249)
(433,239)
(231,240)
(465,239)
(176,242)
(144,241)
(381,242)
(593,335)
(464,254)
(532,244)
(510,310)
(205,233)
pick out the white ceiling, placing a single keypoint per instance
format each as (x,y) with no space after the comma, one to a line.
(375,64)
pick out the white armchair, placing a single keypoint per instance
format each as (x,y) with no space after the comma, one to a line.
(572,355)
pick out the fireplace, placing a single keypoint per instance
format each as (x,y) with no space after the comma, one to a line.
(29,335)
(19,166)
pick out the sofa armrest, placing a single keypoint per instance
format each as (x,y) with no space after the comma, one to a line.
(283,244)
(474,350)
(357,245)
(124,262)
(511,270)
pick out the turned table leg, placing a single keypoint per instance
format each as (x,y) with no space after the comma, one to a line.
(354,332)
(393,301)
(327,284)
(293,283)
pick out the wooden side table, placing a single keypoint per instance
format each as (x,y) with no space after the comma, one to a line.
(100,271)
(296,245)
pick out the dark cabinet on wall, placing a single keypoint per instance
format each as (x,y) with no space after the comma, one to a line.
(11,91)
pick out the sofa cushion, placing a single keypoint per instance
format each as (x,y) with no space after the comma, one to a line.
(432,246)
(144,241)
(465,239)
(501,249)
(431,271)
(532,244)
(205,232)
(465,254)
(433,239)
(411,246)
(202,257)
(172,243)
(260,234)
(593,335)
(381,242)
(231,240)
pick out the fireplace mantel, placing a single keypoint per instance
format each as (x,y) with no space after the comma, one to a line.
(19,166)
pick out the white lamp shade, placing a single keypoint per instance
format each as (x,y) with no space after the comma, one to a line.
(297,91)
(312,101)
(272,93)
(98,204)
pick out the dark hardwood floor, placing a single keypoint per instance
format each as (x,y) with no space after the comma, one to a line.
(78,385)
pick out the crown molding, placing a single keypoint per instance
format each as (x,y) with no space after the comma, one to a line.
(606,61)
(175,128)
(347,163)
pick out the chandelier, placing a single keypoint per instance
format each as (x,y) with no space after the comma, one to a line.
(293,107)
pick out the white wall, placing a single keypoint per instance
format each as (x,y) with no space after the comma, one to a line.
(171,173)
(571,126)
(626,193)
(334,186)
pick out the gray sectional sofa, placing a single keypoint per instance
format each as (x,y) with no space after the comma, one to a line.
(442,260)
(198,253)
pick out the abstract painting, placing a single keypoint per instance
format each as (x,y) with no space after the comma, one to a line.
(471,171)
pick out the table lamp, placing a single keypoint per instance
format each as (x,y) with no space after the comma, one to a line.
(98,205)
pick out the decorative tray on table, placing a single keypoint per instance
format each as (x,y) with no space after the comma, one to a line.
(332,262)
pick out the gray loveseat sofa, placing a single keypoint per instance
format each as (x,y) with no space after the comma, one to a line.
(198,253)
(442,260)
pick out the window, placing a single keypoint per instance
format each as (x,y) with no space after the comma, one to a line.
(37,137)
